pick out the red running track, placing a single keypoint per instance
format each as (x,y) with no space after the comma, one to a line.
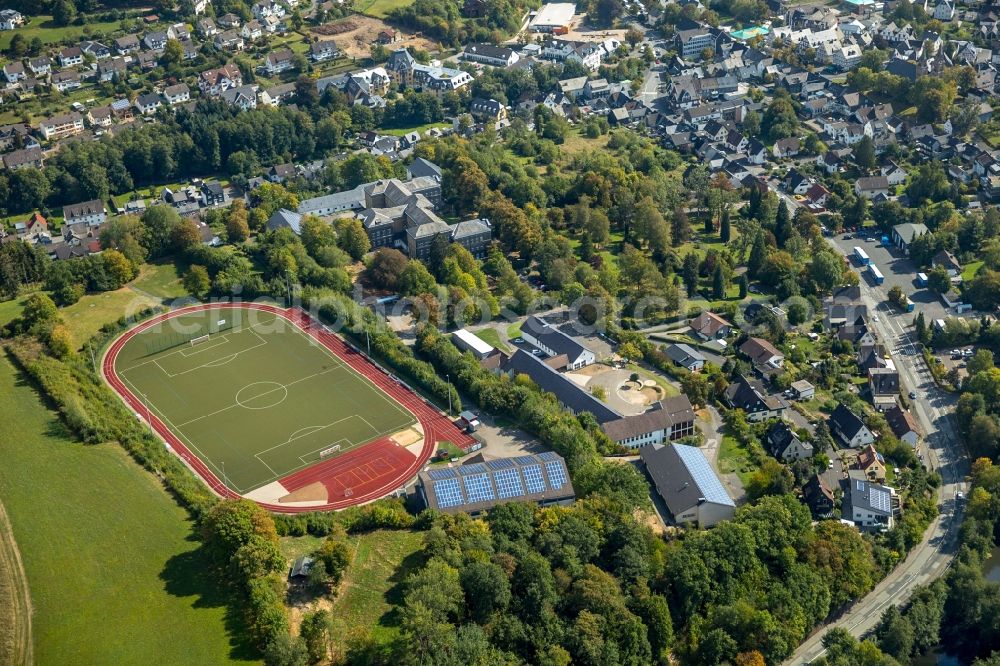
(361,475)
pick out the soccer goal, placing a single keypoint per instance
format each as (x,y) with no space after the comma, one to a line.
(325,453)
(200,339)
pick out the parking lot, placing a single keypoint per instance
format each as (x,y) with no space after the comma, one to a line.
(898,270)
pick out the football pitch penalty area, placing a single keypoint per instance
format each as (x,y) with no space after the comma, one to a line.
(250,393)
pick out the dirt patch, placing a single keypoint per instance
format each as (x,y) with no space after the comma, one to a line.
(15,600)
(593,370)
(407,437)
(357,41)
(653,394)
(651,520)
(314,492)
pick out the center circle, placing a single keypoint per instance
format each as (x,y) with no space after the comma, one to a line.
(261,395)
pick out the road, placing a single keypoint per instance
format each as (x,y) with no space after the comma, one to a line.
(942,450)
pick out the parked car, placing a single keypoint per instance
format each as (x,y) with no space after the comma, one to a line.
(913,395)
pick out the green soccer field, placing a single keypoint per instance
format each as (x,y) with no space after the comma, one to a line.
(259,399)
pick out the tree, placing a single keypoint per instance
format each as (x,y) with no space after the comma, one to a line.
(352,238)
(487,590)
(315,633)
(725,227)
(695,387)
(758,255)
(744,286)
(896,296)
(981,361)
(415,279)
(690,273)
(920,328)
(783,224)
(63,12)
(772,478)
(173,53)
(196,281)
(159,223)
(780,120)
(118,268)
(719,282)
(39,312)
(60,341)
(237,224)
(938,280)
(798,311)
(386,265)
(335,556)
(864,153)
(930,182)
(185,235)
(680,227)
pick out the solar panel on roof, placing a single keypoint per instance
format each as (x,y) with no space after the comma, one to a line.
(508,482)
(438,474)
(701,472)
(524,460)
(533,478)
(556,473)
(548,455)
(478,488)
(502,463)
(880,499)
(448,493)
(475,468)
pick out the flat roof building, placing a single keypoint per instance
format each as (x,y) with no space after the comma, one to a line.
(552,16)
(468,341)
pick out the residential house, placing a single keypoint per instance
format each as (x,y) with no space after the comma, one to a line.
(229,40)
(279,61)
(96,49)
(750,396)
(883,386)
(802,390)
(782,443)
(871,463)
(112,69)
(870,187)
(762,353)
(216,81)
(553,342)
(14,71)
(206,27)
(63,125)
(688,485)
(323,50)
(66,81)
(756,152)
(10,19)
(710,326)
(252,31)
(903,425)
(685,356)
(155,41)
(487,110)
(17,159)
(90,213)
(894,174)
(849,428)
(946,260)
(40,66)
(788,147)
(818,497)
(177,94)
(148,104)
(212,193)
(868,505)
(71,56)
(126,45)
(228,21)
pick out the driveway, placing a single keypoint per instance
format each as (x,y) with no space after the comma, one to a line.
(713,428)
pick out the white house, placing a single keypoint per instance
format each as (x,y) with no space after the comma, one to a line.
(849,427)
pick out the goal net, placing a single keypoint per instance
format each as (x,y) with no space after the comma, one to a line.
(200,339)
(329,451)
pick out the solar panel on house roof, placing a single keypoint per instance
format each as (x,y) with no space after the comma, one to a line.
(556,473)
(533,478)
(438,474)
(475,468)
(880,499)
(508,483)
(478,488)
(502,463)
(706,480)
(448,493)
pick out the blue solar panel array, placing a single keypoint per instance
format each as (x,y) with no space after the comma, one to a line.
(498,480)
(701,471)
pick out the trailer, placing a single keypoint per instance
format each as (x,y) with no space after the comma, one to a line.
(885,241)
(907,304)
(861,256)
(921,279)
(875,274)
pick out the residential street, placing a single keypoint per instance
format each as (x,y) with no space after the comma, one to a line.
(943,451)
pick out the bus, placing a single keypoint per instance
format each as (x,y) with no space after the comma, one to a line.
(876,274)
(861,256)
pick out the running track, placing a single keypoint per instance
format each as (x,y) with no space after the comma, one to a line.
(362,474)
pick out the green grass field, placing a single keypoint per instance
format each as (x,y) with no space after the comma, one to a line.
(161,280)
(85,317)
(380,8)
(115,573)
(492,337)
(43,27)
(260,399)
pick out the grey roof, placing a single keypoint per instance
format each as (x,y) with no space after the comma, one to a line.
(285,218)
(867,496)
(909,231)
(846,422)
(664,414)
(470,228)
(552,337)
(750,396)
(349,199)
(683,476)
(779,437)
(683,354)
(477,486)
(568,393)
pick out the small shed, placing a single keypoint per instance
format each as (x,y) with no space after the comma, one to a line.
(803,390)
(301,568)
(469,421)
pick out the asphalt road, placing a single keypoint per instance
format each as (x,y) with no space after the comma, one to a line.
(942,450)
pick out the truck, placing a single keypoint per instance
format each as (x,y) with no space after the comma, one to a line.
(875,274)
(861,256)
(885,241)
(907,304)
(921,279)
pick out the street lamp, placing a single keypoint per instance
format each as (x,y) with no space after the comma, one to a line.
(448,377)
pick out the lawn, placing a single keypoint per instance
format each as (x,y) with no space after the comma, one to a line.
(161,280)
(380,8)
(43,27)
(15,601)
(85,317)
(514,331)
(115,572)
(371,588)
(735,459)
(10,310)
(220,397)
(400,131)
(970,269)
(492,337)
